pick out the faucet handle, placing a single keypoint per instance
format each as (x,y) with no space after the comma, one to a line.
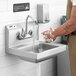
(30,32)
(23,33)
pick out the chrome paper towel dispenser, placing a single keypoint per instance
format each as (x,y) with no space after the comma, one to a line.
(42,13)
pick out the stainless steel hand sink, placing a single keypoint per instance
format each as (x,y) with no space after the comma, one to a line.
(38,52)
(29,49)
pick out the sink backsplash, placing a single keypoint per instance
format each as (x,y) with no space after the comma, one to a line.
(13,29)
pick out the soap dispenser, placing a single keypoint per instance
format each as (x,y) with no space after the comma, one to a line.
(42,13)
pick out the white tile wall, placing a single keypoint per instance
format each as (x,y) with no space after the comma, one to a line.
(12,66)
(3,5)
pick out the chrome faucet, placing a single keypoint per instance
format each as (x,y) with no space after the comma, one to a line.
(25,34)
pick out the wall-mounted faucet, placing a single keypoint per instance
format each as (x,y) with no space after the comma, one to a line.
(25,34)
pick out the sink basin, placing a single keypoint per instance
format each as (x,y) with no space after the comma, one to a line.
(39,48)
(39,52)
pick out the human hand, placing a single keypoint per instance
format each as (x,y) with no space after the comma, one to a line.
(48,35)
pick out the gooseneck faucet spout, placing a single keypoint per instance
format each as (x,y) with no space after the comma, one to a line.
(26,25)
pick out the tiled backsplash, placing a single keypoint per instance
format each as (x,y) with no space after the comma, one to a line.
(9,65)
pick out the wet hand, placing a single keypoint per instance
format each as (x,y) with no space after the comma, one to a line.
(47,35)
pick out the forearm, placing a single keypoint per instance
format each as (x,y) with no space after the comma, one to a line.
(67,27)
